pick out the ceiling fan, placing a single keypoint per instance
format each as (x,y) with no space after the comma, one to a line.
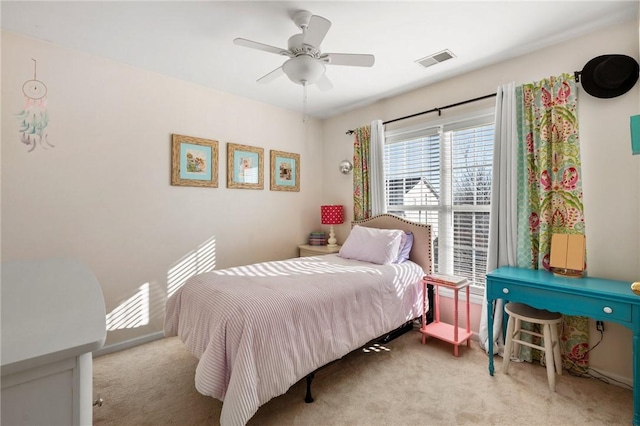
(306,63)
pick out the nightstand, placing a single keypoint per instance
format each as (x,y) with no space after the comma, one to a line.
(451,333)
(307,250)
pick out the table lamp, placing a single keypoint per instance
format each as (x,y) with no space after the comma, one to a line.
(332,215)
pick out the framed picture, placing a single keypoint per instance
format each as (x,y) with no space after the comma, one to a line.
(194,161)
(285,171)
(245,166)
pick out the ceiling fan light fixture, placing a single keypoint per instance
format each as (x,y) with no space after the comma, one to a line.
(306,65)
(304,69)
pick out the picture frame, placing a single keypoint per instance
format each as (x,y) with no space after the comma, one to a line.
(245,166)
(194,161)
(285,171)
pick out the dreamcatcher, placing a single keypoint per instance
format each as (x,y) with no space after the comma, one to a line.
(34,117)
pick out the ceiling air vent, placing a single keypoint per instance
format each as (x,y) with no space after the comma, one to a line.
(436,58)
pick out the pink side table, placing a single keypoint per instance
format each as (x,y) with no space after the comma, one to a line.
(448,332)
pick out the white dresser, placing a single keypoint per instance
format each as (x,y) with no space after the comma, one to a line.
(53,318)
(309,250)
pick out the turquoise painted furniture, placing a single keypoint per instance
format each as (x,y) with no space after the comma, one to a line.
(597,298)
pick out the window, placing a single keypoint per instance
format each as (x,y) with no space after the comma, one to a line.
(440,174)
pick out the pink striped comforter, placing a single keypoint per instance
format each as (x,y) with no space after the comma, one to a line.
(258,329)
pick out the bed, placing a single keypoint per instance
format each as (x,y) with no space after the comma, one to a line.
(259,329)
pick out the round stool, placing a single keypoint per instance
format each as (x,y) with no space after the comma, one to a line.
(549,321)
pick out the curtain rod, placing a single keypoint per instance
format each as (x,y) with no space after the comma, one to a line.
(439,110)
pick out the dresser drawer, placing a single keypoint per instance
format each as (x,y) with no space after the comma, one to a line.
(309,250)
(306,253)
(568,304)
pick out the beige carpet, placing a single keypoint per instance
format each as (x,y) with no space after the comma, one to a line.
(405,383)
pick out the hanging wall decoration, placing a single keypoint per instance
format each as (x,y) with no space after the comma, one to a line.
(194,161)
(244,166)
(285,171)
(34,117)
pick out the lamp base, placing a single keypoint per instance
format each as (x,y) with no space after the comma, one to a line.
(332,242)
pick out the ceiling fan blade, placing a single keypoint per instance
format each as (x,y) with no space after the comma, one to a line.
(268,78)
(324,83)
(316,31)
(351,59)
(261,46)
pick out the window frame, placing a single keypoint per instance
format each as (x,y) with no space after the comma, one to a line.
(446,208)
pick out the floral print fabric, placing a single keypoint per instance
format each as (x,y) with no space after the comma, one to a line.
(361,191)
(550,188)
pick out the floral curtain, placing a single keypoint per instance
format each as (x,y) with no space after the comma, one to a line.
(550,190)
(361,158)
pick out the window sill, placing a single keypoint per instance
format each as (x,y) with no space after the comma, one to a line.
(462,295)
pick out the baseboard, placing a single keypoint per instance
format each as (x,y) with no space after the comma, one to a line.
(127,344)
(612,378)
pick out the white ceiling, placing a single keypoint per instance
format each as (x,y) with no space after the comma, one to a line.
(193,40)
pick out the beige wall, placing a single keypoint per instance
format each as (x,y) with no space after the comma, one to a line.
(103,194)
(611,174)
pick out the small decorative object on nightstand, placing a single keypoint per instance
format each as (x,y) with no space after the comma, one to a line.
(448,332)
(308,250)
(318,239)
(332,215)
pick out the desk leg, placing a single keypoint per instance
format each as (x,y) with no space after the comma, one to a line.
(490,335)
(636,378)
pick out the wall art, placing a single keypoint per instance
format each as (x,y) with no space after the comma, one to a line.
(34,117)
(285,171)
(245,166)
(194,161)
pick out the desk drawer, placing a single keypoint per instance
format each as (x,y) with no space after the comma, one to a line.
(569,304)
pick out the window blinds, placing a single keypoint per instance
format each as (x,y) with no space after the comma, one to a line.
(441,175)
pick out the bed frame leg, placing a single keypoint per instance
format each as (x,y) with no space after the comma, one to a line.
(308,399)
(430,296)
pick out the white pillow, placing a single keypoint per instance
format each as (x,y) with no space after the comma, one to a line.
(372,245)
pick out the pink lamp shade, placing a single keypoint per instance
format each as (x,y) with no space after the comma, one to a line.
(332,215)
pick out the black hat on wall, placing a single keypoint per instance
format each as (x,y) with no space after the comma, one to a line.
(608,76)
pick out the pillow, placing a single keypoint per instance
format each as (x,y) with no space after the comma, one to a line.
(372,245)
(405,248)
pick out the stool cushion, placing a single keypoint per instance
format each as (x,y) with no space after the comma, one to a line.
(531,314)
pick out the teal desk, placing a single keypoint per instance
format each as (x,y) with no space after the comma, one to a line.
(597,298)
